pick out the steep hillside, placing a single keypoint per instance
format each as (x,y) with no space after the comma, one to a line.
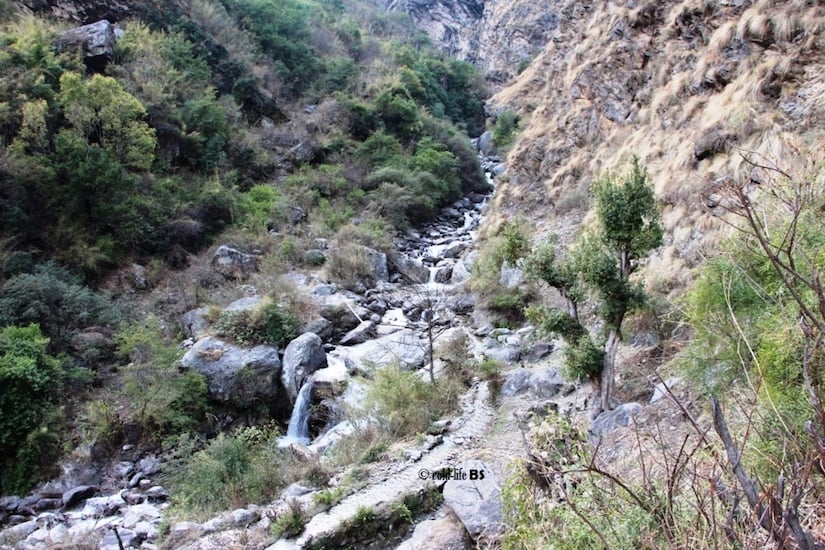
(693,88)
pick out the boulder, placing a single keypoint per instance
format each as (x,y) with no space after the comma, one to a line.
(517,381)
(379,270)
(339,309)
(443,274)
(99,507)
(149,465)
(95,42)
(539,351)
(460,273)
(247,303)
(486,144)
(125,538)
(78,494)
(445,533)
(511,276)
(358,335)
(505,354)
(549,383)
(412,270)
(404,348)
(194,322)
(320,326)
(476,502)
(234,375)
(609,421)
(234,264)
(303,356)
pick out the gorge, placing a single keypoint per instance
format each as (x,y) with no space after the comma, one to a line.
(223,222)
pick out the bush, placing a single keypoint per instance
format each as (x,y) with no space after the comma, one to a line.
(29,414)
(349,265)
(269,323)
(236,470)
(55,300)
(291,523)
(164,400)
(504,130)
(403,403)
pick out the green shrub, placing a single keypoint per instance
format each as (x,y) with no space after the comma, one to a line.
(505,128)
(259,207)
(269,323)
(29,413)
(55,300)
(404,404)
(236,470)
(164,400)
(291,523)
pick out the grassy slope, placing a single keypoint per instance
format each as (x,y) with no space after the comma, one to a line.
(668,73)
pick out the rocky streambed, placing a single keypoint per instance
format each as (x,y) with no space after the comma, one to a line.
(385,320)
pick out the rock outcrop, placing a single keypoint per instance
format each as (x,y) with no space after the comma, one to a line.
(95,42)
(303,356)
(236,376)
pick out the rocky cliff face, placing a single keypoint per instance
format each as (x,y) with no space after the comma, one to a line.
(500,37)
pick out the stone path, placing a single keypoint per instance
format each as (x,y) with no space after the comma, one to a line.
(467,431)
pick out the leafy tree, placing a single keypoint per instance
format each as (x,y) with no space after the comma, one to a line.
(165,400)
(603,260)
(56,301)
(104,113)
(30,378)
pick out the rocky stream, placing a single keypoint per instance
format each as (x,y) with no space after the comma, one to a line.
(417,289)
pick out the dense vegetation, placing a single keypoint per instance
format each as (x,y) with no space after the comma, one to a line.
(246,116)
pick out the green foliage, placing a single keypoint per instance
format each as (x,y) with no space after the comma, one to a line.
(164,400)
(626,212)
(373,453)
(404,403)
(268,323)
(601,261)
(542,264)
(103,113)
(505,128)
(55,300)
(509,245)
(259,207)
(236,470)
(29,416)
(290,523)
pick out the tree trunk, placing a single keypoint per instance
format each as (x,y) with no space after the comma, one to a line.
(608,378)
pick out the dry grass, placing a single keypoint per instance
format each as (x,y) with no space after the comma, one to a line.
(768,101)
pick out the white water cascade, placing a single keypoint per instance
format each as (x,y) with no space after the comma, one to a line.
(298,429)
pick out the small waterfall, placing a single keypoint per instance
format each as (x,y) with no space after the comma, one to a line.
(298,429)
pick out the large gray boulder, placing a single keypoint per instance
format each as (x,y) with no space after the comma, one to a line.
(549,383)
(608,421)
(411,269)
(445,533)
(403,348)
(94,42)
(194,322)
(234,264)
(379,270)
(237,376)
(476,502)
(303,356)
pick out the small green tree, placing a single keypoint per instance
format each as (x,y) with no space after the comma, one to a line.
(602,261)
(165,399)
